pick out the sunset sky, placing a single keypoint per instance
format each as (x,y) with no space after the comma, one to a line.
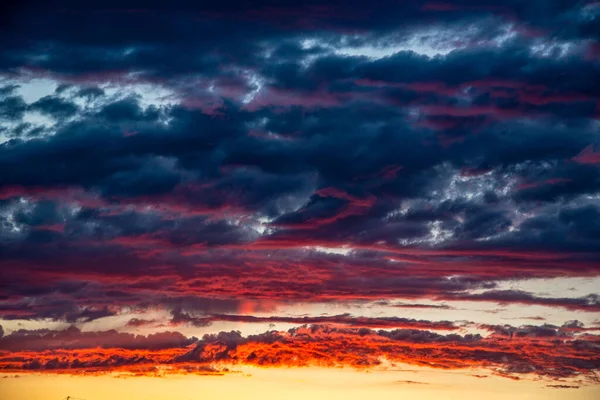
(289,200)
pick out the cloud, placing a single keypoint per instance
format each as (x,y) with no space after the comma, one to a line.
(12,108)
(179,317)
(138,322)
(72,339)
(563,386)
(304,346)
(54,106)
(587,303)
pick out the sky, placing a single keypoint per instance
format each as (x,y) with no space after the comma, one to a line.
(266,199)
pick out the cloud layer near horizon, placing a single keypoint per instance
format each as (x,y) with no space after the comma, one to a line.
(547,351)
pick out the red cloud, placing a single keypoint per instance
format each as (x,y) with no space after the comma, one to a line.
(325,346)
(588,156)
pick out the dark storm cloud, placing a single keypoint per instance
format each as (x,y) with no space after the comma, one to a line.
(12,107)
(55,107)
(127,110)
(563,182)
(90,92)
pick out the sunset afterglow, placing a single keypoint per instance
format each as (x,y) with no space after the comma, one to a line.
(291,200)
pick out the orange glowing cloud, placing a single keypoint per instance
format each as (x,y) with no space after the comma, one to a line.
(546,351)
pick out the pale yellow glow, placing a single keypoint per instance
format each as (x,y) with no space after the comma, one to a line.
(283,383)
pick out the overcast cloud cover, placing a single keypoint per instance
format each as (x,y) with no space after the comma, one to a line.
(177,167)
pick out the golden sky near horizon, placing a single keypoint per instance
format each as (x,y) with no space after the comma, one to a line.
(292,384)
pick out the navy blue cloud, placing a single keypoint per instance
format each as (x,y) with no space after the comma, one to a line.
(271,141)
